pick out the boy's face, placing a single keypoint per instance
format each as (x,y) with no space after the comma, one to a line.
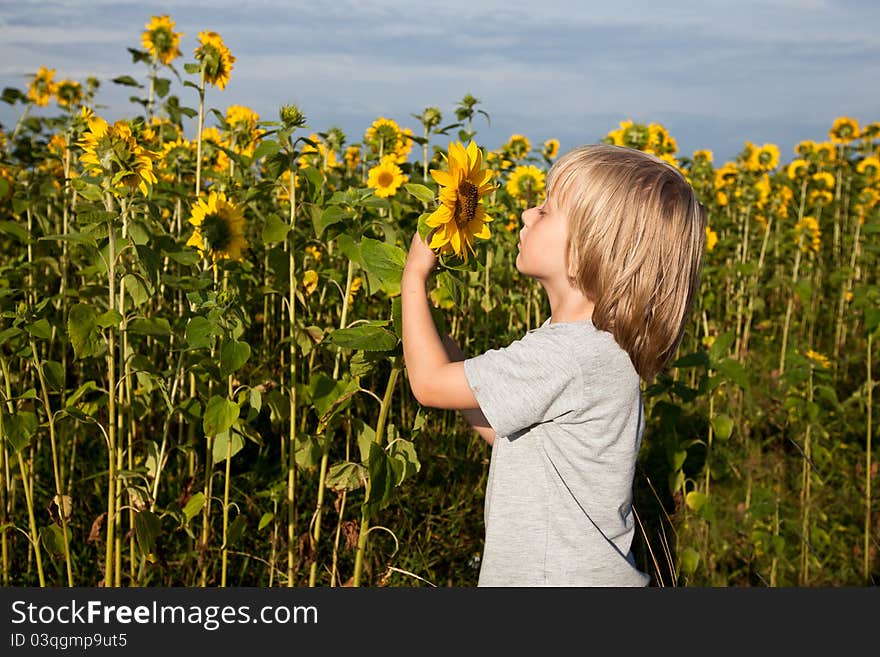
(542,244)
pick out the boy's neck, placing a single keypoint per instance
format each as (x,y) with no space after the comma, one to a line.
(569,305)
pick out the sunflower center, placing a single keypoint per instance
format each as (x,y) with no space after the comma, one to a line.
(385,178)
(466,203)
(162,40)
(216,232)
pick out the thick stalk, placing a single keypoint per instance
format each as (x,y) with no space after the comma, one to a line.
(28,497)
(200,126)
(806,481)
(380,435)
(325,451)
(291,449)
(865,548)
(111,409)
(753,285)
(59,488)
(838,331)
(224,553)
(788,309)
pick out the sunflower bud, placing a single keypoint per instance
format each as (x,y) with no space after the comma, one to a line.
(291,117)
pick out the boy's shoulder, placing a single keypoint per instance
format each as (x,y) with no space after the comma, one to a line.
(582,343)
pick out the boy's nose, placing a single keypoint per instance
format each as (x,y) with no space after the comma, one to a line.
(527,216)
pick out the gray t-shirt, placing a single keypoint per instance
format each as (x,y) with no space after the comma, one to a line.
(566,407)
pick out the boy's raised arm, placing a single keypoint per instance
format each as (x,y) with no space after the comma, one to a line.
(436,380)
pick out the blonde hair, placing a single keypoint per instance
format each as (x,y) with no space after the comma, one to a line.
(635,247)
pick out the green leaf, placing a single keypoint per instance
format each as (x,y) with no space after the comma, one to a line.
(722,425)
(147,527)
(128,81)
(696,359)
(52,538)
(226,442)
(380,485)
(82,329)
(385,261)
(309,451)
(369,337)
(158,326)
(14,230)
(54,374)
(194,506)
(19,428)
(345,476)
(136,289)
(40,329)
(734,371)
(422,193)
(109,318)
(690,559)
(406,461)
(186,258)
(219,415)
(162,86)
(236,530)
(275,229)
(233,354)
(453,287)
(721,346)
(329,216)
(265,519)
(267,147)
(199,331)
(190,67)
(695,500)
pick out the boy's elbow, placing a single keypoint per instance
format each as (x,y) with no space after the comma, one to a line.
(423,394)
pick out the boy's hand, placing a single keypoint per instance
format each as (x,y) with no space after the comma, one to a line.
(420,260)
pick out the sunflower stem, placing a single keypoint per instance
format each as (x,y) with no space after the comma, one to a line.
(291,448)
(199,127)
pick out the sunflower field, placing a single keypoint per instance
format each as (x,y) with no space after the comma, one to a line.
(201,370)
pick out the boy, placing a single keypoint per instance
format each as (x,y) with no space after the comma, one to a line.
(617,246)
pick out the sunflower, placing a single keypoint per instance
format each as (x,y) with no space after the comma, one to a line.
(796,169)
(824,179)
(870,167)
(518,146)
(243,131)
(659,140)
(386,177)
(808,234)
(352,157)
(711,239)
(461,216)
(42,88)
(69,93)
(844,130)
(817,359)
(112,153)
(386,137)
(216,59)
(763,158)
(310,281)
(214,155)
(320,157)
(219,227)
(160,39)
(526,183)
(703,155)
(356,284)
(178,156)
(551,148)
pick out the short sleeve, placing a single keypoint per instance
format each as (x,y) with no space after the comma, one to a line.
(530,381)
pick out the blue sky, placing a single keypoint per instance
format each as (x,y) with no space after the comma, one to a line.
(716,74)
